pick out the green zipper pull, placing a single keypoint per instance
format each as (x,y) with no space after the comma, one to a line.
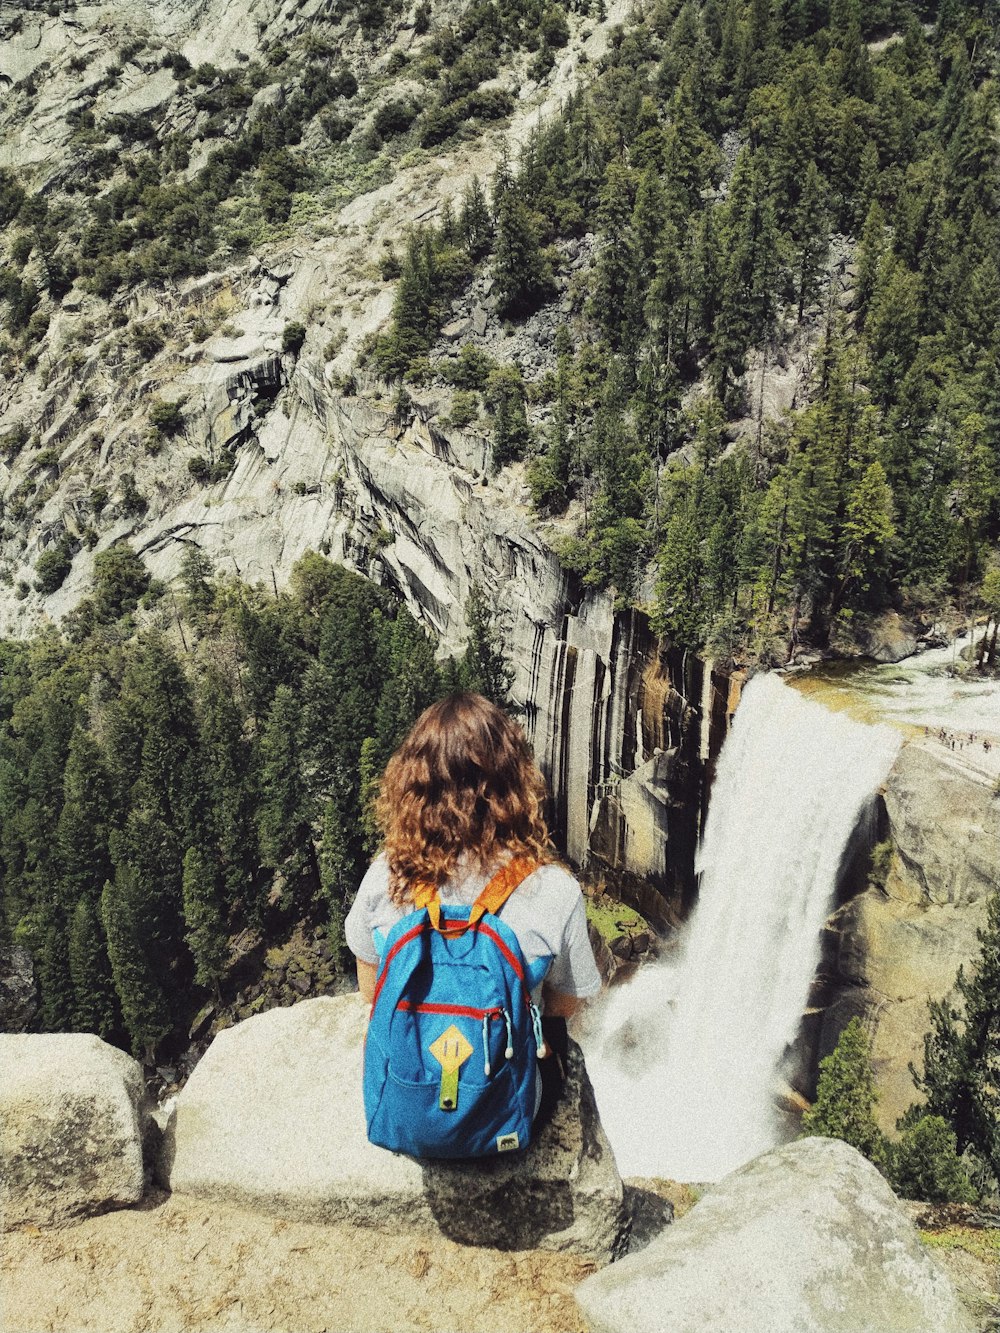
(448,1100)
(450,1050)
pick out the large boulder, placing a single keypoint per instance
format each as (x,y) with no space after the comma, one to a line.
(806,1239)
(273,1118)
(71,1120)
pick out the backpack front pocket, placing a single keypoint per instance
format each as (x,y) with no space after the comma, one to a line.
(409,1116)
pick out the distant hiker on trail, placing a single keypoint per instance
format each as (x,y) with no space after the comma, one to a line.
(464,928)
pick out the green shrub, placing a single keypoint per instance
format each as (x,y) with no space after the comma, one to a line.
(177,62)
(52,566)
(21,248)
(47,458)
(292,338)
(464,409)
(925,1164)
(147,339)
(14,441)
(553,29)
(471,370)
(488,104)
(133,502)
(881,859)
(439,123)
(166,417)
(335,126)
(393,118)
(120,579)
(390,267)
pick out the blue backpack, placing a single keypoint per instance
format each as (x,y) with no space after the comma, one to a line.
(450,1055)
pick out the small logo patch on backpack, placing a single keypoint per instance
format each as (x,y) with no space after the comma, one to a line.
(508,1142)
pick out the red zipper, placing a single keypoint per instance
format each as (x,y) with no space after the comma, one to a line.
(461,1010)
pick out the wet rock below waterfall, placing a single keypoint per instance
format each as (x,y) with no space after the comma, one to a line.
(272,1118)
(806,1239)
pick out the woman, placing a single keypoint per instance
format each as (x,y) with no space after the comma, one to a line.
(460,797)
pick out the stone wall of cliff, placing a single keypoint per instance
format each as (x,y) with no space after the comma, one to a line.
(893,947)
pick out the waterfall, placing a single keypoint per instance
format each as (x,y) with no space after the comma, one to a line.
(684,1059)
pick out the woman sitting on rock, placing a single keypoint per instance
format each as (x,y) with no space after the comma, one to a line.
(461,799)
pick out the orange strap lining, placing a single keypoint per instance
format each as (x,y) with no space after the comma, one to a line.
(492,898)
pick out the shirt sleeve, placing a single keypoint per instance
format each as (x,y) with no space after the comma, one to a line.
(360,919)
(574,971)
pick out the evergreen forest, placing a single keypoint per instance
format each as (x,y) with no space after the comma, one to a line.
(725,154)
(171,783)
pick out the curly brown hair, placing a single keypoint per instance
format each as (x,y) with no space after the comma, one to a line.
(463,780)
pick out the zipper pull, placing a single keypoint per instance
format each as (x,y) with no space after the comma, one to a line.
(509,1052)
(536,1023)
(486,1045)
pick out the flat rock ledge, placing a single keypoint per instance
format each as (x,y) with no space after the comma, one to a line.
(71,1124)
(806,1239)
(273,1118)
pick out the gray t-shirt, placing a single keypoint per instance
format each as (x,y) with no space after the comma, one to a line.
(545,912)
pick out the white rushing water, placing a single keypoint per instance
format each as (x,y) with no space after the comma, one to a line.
(934,689)
(684,1059)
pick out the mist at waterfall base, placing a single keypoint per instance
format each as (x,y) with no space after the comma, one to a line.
(685,1058)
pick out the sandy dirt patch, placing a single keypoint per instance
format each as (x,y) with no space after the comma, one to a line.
(176,1264)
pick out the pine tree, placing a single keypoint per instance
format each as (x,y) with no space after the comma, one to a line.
(94,1008)
(485,668)
(145,1007)
(925,1164)
(511,432)
(871,249)
(82,831)
(205,934)
(809,230)
(338,863)
(961,1074)
(520,270)
(614,268)
(410,682)
(475,223)
(196,573)
(679,612)
(284,814)
(868,530)
(230,782)
(846,1096)
(51,956)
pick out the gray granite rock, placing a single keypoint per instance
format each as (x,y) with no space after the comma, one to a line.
(272,1118)
(71,1124)
(806,1239)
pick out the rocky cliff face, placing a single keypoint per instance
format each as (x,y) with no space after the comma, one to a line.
(893,948)
(308,453)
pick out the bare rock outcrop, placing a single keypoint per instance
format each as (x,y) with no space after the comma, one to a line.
(806,1239)
(18,999)
(71,1121)
(902,945)
(272,1118)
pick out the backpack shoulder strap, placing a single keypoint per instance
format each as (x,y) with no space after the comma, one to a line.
(492,898)
(501,886)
